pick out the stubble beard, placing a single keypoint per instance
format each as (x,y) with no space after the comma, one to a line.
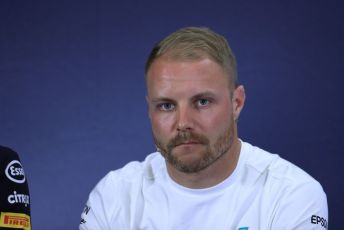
(207,157)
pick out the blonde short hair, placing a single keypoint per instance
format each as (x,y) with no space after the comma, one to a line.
(193,43)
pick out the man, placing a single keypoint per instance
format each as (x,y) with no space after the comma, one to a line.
(14,192)
(202,176)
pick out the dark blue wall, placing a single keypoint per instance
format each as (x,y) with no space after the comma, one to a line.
(72,89)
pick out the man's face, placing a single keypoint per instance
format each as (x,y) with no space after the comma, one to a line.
(191,111)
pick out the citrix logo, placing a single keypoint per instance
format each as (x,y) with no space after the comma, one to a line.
(19,198)
(15,172)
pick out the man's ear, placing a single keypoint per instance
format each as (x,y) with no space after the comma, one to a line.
(238,101)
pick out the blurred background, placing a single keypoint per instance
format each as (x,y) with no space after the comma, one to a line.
(72,90)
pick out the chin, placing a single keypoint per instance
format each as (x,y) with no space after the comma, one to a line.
(190,162)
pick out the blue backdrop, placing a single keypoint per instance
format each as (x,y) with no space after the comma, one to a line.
(72,88)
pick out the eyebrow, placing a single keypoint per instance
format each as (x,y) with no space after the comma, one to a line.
(206,94)
(161,99)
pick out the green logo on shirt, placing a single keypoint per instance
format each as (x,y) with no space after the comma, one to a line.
(243,228)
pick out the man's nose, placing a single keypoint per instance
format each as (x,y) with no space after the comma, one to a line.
(185,119)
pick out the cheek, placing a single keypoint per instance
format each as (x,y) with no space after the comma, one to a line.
(218,121)
(161,125)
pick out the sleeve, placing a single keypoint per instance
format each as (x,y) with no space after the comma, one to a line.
(302,208)
(102,205)
(14,192)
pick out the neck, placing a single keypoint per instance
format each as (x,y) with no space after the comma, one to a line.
(214,174)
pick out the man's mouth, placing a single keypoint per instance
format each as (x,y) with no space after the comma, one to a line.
(187,143)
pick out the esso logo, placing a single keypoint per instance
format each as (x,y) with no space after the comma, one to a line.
(15,172)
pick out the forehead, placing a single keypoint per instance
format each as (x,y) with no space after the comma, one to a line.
(167,75)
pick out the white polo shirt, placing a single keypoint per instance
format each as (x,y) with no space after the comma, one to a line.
(264,192)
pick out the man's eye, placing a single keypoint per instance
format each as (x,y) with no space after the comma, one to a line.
(203,102)
(166,106)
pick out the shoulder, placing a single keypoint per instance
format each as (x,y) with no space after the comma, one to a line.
(115,192)
(7,153)
(297,196)
(131,173)
(127,178)
(275,167)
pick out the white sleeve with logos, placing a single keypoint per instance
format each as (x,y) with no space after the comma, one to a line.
(102,205)
(304,207)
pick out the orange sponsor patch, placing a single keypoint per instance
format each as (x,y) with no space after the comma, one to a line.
(15,220)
